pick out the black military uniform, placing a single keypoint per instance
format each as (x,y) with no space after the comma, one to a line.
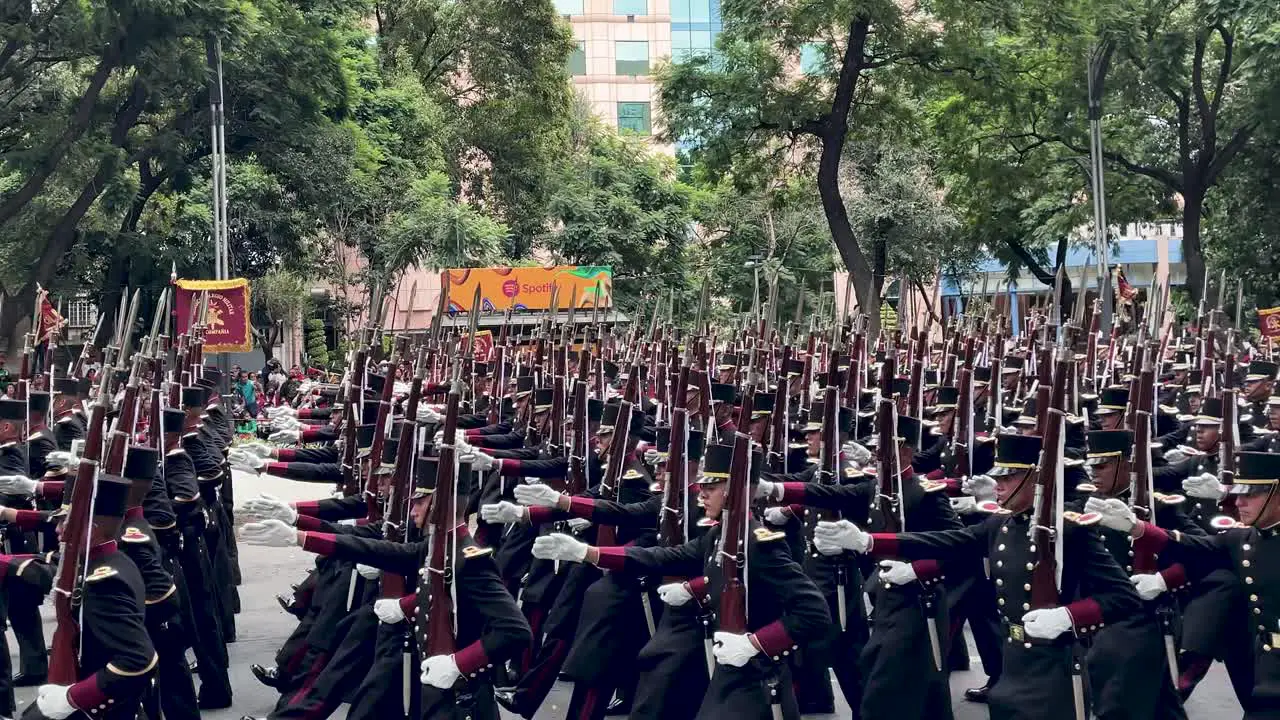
(173,690)
(786,610)
(1037,677)
(490,627)
(1123,655)
(1249,553)
(190,563)
(117,660)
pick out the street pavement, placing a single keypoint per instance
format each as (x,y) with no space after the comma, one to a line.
(262,626)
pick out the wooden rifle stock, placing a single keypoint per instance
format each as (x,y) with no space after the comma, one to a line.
(1045,519)
(611,485)
(441,635)
(671,529)
(380,431)
(889,498)
(397,514)
(351,421)
(731,554)
(64,658)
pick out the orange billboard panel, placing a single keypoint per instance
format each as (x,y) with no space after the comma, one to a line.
(529,288)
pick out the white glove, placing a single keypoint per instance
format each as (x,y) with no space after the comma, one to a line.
(260,449)
(288,436)
(776,516)
(1175,455)
(427,415)
(897,573)
(536,495)
(305,387)
(855,452)
(651,456)
(270,533)
(769,490)
(503,513)
(1205,486)
(981,487)
(1114,511)
(577,525)
(440,671)
(1149,587)
(281,411)
(674,594)
(286,422)
(838,536)
(480,461)
(17,485)
(62,460)
(270,506)
(733,649)
(247,461)
(368,572)
(53,701)
(559,546)
(388,611)
(1047,624)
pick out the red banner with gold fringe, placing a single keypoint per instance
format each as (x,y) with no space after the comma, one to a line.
(227,327)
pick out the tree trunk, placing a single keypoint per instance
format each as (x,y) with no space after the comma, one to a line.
(53,156)
(1192,250)
(833,139)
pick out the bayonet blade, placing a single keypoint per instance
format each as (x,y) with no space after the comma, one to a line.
(127,339)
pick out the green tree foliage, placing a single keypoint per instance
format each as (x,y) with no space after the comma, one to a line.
(317,350)
(1182,88)
(279,299)
(619,203)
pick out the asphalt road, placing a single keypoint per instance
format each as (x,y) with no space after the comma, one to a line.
(262,626)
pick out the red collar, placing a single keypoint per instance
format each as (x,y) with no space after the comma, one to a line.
(105,548)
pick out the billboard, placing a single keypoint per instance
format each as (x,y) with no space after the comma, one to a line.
(228,319)
(529,288)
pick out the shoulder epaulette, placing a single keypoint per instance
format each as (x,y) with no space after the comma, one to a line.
(475,551)
(1164,499)
(632,474)
(992,507)
(1079,519)
(852,471)
(1087,488)
(134,535)
(767,535)
(101,572)
(930,486)
(1169,409)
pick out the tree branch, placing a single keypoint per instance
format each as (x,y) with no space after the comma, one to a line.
(1224,70)
(1238,140)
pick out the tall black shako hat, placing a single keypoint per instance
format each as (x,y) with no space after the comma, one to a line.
(718,461)
(1015,453)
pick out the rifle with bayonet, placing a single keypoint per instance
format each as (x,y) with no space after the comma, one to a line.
(64,655)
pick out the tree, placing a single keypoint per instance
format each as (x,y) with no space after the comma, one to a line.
(496,70)
(619,203)
(317,350)
(748,108)
(278,298)
(113,107)
(1188,87)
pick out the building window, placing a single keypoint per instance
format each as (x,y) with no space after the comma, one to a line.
(811,58)
(694,11)
(630,7)
(568,7)
(578,60)
(634,116)
(81,314)
(632,57)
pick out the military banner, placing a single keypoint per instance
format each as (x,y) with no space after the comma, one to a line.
(1269,322)
(227,322)
(529,288)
